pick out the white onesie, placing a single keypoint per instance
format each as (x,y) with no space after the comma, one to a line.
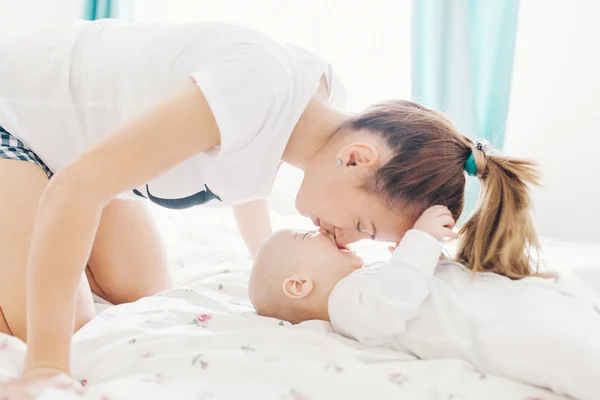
(535,330)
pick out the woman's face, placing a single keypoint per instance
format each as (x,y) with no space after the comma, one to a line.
(331,194)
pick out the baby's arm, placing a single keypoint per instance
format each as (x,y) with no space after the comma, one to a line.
(378,302)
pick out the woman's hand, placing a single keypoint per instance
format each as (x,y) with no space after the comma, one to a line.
(35,381)
(438,222)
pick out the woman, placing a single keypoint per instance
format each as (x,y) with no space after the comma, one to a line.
(177,114)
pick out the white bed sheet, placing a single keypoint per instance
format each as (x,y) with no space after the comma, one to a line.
(202,340)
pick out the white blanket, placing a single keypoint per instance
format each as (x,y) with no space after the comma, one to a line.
(204,341)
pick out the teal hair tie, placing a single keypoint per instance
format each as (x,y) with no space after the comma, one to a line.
(471,166)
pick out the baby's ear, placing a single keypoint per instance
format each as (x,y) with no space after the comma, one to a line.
(297,287)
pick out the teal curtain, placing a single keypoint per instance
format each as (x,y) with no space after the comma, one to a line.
(98,9)
(462,62)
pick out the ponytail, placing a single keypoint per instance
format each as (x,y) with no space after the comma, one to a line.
(499,236)
(427,166)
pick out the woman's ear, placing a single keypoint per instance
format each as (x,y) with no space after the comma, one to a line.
(358,154)
(297,287)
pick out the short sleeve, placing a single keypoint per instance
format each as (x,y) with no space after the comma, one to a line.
(247,91)
(257,91)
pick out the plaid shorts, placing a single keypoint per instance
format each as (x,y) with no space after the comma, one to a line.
(13,149)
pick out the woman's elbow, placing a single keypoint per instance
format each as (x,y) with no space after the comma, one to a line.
(70,187)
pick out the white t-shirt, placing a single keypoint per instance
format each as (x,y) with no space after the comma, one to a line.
(63,88)
(540,331)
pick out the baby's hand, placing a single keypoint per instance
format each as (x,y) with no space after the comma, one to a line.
(438,222)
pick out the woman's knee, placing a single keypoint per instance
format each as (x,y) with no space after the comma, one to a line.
(128,260)
(4,328)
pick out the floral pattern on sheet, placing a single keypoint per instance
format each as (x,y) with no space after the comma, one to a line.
(439,395)
(157,378)
(138,358)
(202,320)
(198,360)
(338,369)
(247,348)
(399,378)
(294,394)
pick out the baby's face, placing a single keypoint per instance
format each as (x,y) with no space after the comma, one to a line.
(297,270)
(314,255)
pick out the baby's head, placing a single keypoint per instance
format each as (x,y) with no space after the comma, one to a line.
(294,273)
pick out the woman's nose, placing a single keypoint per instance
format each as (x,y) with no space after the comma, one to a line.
(345,236)
(326,227)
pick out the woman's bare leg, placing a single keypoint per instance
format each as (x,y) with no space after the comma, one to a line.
(128,260)
(21,186)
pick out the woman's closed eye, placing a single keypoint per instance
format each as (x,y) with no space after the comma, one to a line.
(361,231)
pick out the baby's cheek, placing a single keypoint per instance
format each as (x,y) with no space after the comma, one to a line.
(342,272)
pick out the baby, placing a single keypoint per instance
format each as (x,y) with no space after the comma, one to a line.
(533,329)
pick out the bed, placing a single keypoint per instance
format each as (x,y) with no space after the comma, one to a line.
(202,340)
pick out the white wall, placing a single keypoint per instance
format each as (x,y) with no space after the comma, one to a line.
(18,15)
(368,42)
(555,113)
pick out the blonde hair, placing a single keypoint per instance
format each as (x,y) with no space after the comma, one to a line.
(427,168)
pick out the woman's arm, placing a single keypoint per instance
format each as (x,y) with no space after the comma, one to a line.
(71,206)
(254,224)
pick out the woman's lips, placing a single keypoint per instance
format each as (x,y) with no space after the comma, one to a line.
(330,237)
